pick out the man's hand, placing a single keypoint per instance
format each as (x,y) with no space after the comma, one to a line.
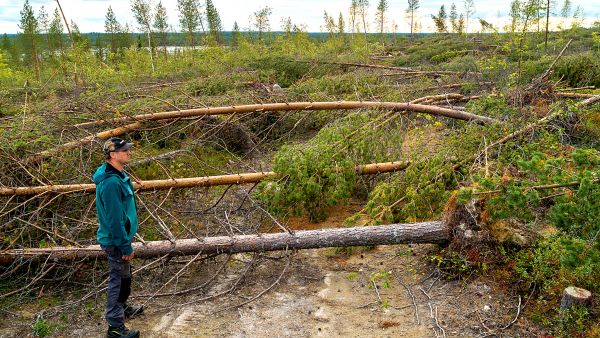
(128,258)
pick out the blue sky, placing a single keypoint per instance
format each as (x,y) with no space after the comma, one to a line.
(89,14)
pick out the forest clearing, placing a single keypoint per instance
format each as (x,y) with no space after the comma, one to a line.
(354,182)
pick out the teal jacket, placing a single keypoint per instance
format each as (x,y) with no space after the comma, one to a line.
(115,204)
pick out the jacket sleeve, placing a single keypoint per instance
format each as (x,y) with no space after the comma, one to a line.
(113,207)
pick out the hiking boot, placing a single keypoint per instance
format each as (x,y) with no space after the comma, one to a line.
(121,332)
(132,310)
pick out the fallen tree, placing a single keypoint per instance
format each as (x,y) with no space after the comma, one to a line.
(424,232)
(206,181)
(287,106)
(400,69)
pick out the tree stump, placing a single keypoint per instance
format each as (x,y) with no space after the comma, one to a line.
(575,296)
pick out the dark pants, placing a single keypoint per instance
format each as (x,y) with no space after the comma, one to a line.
(119,286)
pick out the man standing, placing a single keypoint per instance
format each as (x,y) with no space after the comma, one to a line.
(118,221)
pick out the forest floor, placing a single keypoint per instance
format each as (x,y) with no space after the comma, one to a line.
(323,293)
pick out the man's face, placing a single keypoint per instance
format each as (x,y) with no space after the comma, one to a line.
(122,157)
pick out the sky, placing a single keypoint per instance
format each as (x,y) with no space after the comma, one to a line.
(89,14)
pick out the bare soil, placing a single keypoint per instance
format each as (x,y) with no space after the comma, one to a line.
(323,293)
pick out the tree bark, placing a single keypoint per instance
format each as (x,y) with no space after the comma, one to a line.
(424,232)
(207,181)
(288,106)
(575,296)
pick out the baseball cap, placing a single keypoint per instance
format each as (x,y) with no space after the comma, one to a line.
(116,144)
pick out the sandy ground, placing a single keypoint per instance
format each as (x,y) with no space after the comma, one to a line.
(389,291)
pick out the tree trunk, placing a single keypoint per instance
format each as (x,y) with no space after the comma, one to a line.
(575,296)
(289,106)
(171,115)
(207,181)
(425,232)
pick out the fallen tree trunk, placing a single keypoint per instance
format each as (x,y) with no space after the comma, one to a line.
(425,232)
(400,69)
(171,115)
(288,106)
(207,181)
(573,95)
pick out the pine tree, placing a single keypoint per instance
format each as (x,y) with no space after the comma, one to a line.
(214,22)
(341,25)
(189,18)
(440,20)
(10,50)
(262,21)
(382,8)
(329,24)
(55,33)
(43,22)
(548,5)
(578,16)
(79,40)
(363,9)
(30,35)
(469,11)
(353,16)
(411,11)
(111,27)
(460,28)
(453,18)
(161,24)
(235,35)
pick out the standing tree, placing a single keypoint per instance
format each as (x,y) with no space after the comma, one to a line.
(55,34)
(453,18)
(548,9)
(329,25)
(112,27)
(43,22)
(30,35)
(469,11)
(161,25)
(10,49)
(460,27)
(215,28)
(382,8)
(578,17)
(440,20)
(189,18)
(341,25)
(565,12)
(262,21)
(411,12)
(515,15)
(142,12)
(235,35)
(363,8)
(353,14)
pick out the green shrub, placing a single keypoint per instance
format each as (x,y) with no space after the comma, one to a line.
(579,70)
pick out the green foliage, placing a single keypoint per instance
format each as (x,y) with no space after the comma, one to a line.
(556,263)
(281,70)
(41,328)
(321,173)
(580,69)
(382,277)
(351,276)
(576,211)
